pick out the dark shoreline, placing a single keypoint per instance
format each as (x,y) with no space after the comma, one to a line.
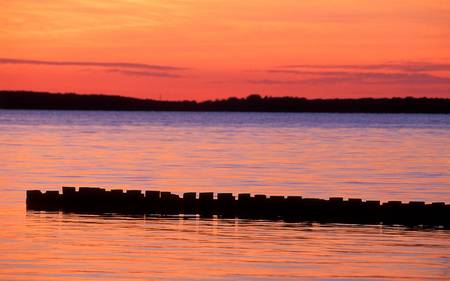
(28,100)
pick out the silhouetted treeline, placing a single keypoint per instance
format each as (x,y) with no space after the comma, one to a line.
(256,103)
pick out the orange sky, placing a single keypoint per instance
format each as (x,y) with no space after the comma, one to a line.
(201,49)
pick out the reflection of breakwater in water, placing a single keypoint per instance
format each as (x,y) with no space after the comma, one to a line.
(295,208)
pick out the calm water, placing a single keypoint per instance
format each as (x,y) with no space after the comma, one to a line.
(371,156)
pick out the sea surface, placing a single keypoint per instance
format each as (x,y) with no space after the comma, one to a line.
(370,156)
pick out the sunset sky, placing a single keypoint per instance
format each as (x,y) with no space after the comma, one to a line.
(206,49)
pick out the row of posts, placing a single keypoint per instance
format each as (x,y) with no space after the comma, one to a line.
(293,208)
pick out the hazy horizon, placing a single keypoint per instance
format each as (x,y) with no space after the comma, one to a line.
(262,95)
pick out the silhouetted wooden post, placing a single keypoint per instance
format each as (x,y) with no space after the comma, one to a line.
(170,203)
(225,204)
(165,202)
(293,207)
(243,205)
(190,203)
(373,211)
(313,209)
(117,200)
(206,203)
(34,200)
(276,205)
(335,209)
(391,212)
(152,202)
(436,213)
(260,207)
(89,199)
(414,213)
(134,201)
(52,200)
(354,208)
(446,221)
(69,198)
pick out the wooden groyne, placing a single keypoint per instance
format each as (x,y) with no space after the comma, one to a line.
(291,208)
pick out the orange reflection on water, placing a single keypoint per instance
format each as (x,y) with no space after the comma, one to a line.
(367,156)
(72,247)
(383,157)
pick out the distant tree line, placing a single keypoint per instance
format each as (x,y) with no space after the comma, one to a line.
(252,103)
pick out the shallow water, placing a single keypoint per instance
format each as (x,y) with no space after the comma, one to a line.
(370,156)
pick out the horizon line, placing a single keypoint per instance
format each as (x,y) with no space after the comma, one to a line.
(262,96)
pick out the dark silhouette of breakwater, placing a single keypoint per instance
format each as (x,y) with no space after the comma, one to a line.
(290,208)
(252,103)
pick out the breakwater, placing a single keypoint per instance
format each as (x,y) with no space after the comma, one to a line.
(244,205)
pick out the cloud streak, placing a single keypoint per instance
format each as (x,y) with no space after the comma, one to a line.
(414,73)
(126,65)
(361,77)
(305,72)
(144,73)
(402,66)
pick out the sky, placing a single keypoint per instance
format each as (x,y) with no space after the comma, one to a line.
(208,49)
